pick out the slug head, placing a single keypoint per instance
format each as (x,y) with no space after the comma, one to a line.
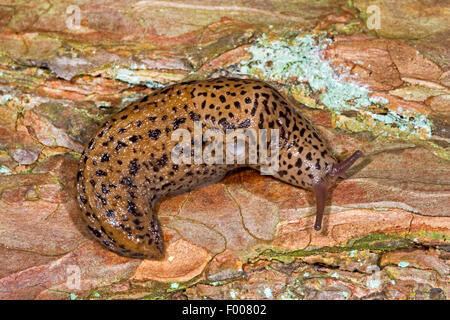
(321,187)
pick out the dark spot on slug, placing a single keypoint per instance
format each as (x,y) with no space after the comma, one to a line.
(126,181)
(244,124)
(134,167)
(154,134)
(100,173)
(132,208)
(177,122)
(95,232)
(104,189)
(91,143)
(83,199)
(119,145)
(105,157)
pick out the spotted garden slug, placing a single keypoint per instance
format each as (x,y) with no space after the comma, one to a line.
(126,167)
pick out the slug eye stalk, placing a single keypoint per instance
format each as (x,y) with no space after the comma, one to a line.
(321,188)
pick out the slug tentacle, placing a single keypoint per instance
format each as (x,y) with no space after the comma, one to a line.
(321,187)
(320,191)
(340,168)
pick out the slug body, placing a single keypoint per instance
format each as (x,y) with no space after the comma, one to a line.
(127,168)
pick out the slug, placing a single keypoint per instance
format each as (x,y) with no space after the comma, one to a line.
(126,167)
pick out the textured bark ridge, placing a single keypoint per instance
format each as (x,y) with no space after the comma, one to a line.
(379,88)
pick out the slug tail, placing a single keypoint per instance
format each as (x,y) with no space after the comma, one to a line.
(129,227)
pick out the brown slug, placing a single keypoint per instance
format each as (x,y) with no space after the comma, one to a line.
(126,168)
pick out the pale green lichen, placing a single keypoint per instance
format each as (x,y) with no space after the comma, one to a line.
(414,123)
(127,100)
(4,169)
(299,58)
(403,264)
(268,293)
(334,275)
(5,98)
(373,284)
(130,76)
(288,295)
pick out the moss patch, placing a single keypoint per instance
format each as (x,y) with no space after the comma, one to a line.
(377,242)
